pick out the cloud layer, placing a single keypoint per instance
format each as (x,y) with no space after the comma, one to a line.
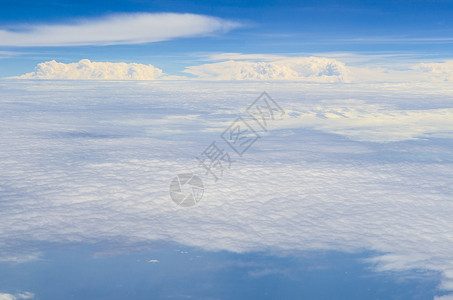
(86,69)
(137,28)
(92,161)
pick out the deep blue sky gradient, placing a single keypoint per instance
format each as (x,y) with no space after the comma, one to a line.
(298,27)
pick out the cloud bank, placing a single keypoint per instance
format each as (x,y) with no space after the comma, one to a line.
(136,28)
(86,69)
(328,67)
(312,69)
(257,67)
(87,161)
(315,69)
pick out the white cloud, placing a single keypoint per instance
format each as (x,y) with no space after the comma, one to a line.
(8,54)
(325,67)
(395,40)
(404,72)
(4,296)
(315,69)
(24,295)
(19,258)
(446,297)
(241,56)
(86,69)
(77,168)
(441,71)
(136,28)
(361,121)
(262,67)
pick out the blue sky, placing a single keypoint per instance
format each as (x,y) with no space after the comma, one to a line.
(417,28)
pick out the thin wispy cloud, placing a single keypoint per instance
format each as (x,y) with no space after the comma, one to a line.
(118,29)
(242,56)
(401,40)
(9,54)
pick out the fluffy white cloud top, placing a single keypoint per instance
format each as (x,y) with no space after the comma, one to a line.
(327,67)
(86,69)
(316,69)
(259,67)
(92,161)
(313,69)
(134,28)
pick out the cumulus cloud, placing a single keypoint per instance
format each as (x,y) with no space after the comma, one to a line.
(325,67)
(259,67)
(86,69)
(316,69)
(312,69)
(135,28)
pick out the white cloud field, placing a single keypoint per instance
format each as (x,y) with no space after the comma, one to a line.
(351,167)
